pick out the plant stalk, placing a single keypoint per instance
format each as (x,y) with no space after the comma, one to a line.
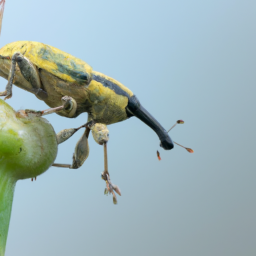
(7,186)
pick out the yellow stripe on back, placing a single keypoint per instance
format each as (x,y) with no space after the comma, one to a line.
(51,59)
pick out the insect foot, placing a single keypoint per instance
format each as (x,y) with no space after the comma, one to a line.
(110,187)
(33,113)
(7,94)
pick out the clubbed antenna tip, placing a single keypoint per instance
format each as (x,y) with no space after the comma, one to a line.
(180,121)
(190,150)
(158,155)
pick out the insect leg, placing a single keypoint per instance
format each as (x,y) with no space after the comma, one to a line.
(29,72)
(67,133)
(62,165)
(101,136)
(8,89)
(81,151)
(110,187)
(69,105)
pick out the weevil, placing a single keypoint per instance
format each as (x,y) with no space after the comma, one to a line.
(69,86)
(55,76)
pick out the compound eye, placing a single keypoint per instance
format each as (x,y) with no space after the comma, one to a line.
(108,135)
(84,77)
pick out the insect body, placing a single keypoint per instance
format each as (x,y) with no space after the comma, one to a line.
(51,74)
(59,74)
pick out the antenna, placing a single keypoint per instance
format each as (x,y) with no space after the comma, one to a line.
(188,149)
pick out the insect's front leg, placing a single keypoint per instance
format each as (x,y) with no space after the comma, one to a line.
(101,136)
(110,187)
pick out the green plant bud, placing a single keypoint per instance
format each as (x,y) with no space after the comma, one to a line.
(28,147)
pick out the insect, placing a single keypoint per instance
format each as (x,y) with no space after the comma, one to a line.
(69,86)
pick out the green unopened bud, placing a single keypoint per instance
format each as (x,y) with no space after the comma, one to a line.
(28,147)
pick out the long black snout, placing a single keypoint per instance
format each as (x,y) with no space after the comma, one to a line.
(134,108)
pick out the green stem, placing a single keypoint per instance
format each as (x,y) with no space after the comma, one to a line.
(7,185)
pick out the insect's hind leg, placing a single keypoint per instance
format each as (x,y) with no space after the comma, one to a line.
(29,72)
(8,89)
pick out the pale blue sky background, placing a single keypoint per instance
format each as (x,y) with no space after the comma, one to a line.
(190,60)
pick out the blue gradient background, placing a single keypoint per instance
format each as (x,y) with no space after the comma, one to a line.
(190,60)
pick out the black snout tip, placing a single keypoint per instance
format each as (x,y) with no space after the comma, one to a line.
(167,144)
